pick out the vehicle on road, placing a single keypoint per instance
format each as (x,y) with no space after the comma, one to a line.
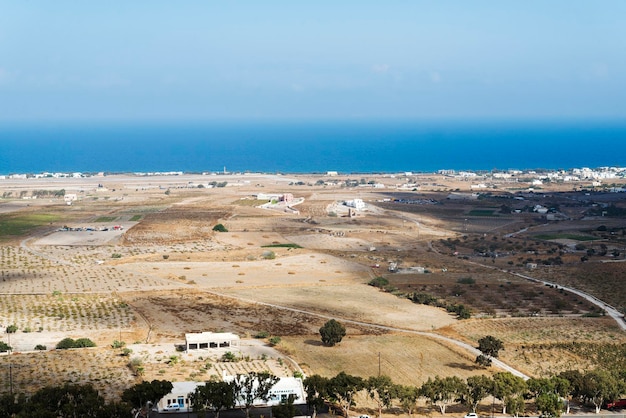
(471,415)
(619,404)
(173,407)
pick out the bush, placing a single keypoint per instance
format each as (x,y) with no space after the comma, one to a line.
(229,357)
(116,255)
(11,329)
(66,343)
(269,255)
(40,347)
(4,347)
(262,334)
(118,344)
(275,341)
(466,280)
(379,282)
(220,228)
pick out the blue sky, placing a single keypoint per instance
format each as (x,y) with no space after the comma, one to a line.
(207,60)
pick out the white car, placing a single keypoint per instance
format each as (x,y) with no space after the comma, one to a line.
(471,415)
(172,407)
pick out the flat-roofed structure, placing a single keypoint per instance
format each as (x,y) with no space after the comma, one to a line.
(211,340)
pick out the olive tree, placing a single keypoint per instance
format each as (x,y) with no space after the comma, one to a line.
(332,333)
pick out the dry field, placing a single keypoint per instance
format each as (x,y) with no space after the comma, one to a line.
(168,273)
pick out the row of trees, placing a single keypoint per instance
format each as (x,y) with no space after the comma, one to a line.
(71,400)
(551,395)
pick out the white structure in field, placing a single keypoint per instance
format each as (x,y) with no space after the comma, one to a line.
(357,204)
(211,340)
(278,393)
(178,399)
(179,396)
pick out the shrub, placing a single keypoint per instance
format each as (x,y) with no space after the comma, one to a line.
(84,342)
(220,228)
(466,280)
(275,341)
(262,334)
(229,357)
(118,344)
(11,329)
(40,347)
(4,347)
(379,282)
(116,255)
(269,255)
(66,343)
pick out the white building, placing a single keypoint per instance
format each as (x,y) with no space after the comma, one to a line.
(357,204)
(211,340)
(178,396)
(178,399)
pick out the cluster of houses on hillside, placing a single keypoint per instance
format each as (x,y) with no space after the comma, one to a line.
(575,174)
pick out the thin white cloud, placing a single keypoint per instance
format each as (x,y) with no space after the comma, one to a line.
(5,76)
(381,68)
(435,77)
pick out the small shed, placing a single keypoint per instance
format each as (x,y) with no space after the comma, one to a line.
(211,340)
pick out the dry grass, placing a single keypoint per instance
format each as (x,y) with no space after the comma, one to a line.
(406,359)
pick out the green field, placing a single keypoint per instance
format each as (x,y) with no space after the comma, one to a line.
(106,219)
(17,225)
(481,212)
(575,237)
(135,218)
(281,246)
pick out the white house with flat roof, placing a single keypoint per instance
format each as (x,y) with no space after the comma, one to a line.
(178,399)
(211,340)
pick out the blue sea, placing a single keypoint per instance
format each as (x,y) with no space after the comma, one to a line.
(309,147)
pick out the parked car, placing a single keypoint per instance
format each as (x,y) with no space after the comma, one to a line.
(172,407)
(471,415)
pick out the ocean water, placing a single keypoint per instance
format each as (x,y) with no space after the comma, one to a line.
(309,147)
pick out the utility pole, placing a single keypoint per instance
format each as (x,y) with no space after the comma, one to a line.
(10,365)
(379,364)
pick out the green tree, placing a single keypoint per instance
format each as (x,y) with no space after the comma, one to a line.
(342,388)
(316,388)
(381,390)
(478,388)
(408,397)
(443,391)
(67,401)
(575,379)
(213,396)
(286,408)
(11,405)
(255,385)
(507,386)
(4,347)
(489,347)
(332,333)
(220,228)
(142,393)
(515,404)
(11,329)
(549,394)
(599,386)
